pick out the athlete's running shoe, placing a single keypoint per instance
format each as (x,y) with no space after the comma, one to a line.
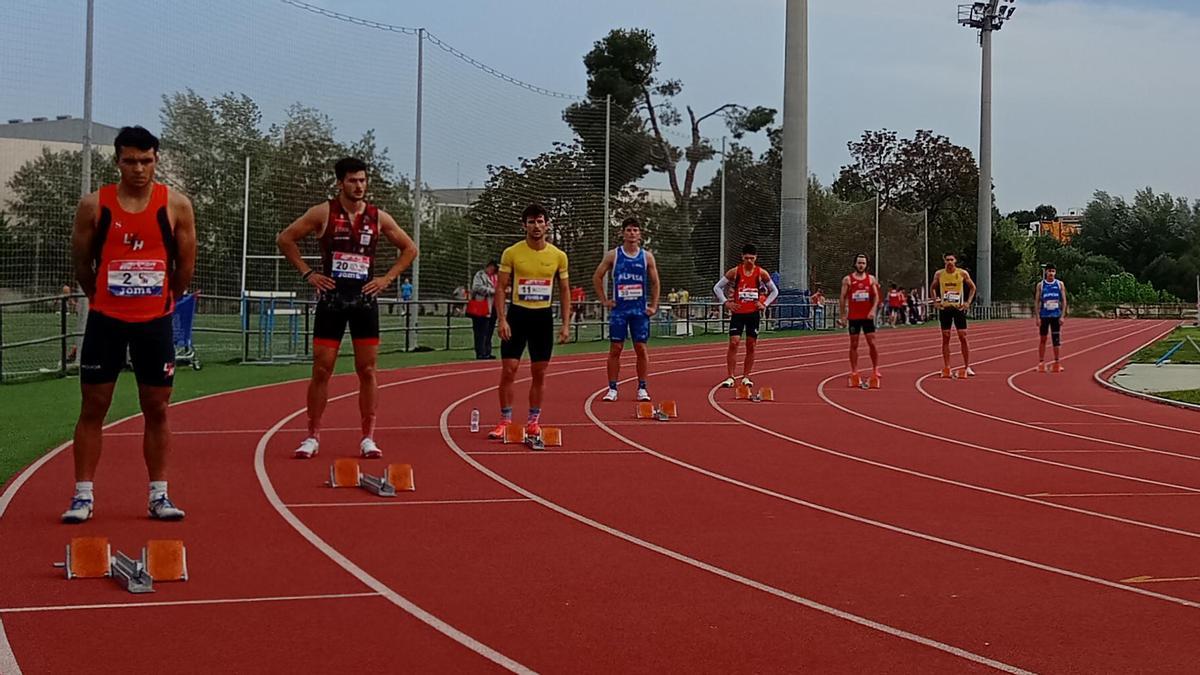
(369,450)
(497,434)
(728,383)
(161,508)
(746,382)
(533,429)
(1041,367)
(308,449)
(1056,368)
(969,372)
(611,395)
(643,395)
(80,511)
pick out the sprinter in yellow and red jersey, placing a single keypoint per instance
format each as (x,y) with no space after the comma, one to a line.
(134,251)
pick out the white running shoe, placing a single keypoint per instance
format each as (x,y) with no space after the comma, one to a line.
(162,509)
(80,511)
(746,382)
(610,396)
(308,449)
(970,373)
(643,395)
(369,450)
(728,383)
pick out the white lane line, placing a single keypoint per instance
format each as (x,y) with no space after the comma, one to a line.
(426,502)
(687,560)
(180,603)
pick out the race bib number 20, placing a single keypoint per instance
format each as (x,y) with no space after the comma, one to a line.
(351,266)
(136,278)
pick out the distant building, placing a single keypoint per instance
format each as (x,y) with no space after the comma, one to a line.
(23,141)
(1065,227)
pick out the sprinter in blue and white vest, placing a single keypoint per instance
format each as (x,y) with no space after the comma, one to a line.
(634,299)
(1051,302)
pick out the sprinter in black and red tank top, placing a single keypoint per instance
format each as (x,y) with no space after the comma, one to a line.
(857,304)
(134,251)
(748,281)
(348,229)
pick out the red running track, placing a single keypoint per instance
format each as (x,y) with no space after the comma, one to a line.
(1016,521)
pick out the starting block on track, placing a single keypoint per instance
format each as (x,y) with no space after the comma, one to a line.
(741,393)
(662,412)
(551,437)
(346,472)
(92,557)
(872,382)
(764,394)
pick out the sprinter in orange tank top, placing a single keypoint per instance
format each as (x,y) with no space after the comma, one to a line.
(748,281)
(857,304)
(134,251)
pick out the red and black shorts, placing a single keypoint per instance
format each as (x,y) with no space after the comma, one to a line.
(335,312)
(150,345)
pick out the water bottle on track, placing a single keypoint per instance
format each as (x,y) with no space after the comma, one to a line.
(474,420)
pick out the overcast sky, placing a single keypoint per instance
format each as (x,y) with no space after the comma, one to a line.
(1089,94)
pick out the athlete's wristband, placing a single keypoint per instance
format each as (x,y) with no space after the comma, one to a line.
(307,274)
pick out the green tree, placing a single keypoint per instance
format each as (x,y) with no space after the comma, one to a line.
(624,65)
(41,212)
(926,172)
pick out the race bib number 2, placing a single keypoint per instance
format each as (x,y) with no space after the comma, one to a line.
(136,278)
(533,290)
(861,296)
(748,295)
(351,266)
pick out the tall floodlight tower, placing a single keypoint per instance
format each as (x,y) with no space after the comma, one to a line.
(987,17)
(793,222)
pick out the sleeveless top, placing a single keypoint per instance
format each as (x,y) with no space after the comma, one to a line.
(134,255)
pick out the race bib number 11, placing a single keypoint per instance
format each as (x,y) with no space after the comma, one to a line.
(533,290)
(136,278)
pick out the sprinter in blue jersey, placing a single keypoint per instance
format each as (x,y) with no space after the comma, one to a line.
(1050,298)
(633,301)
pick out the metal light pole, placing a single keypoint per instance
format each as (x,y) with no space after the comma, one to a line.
(607,172)
(986,17)
(418,187)
(721,254)
(793,223)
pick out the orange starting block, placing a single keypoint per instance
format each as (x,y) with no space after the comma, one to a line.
(662,412)
(346,472)
(764,394)
(741,393)
(550,437)
(92,557)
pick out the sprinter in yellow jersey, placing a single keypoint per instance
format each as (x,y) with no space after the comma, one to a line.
(953,292)
(529,268)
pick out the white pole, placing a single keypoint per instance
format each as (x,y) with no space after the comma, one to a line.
(85,179)
(417,185)
(607,171)
(721,257)
(878,270)
(925,284)
(983,227)
(245,224)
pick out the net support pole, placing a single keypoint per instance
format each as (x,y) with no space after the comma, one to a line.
(245,223)
(607,172)
(927,281)
(721,255)
(85,174)
(417,185)
(878,268)
(793,224)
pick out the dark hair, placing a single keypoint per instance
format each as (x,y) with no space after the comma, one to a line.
(893,287)
(347,165)
(491,263)
(749,249)
(949,255)
(533,211)
(860,255)
(1050,266)
(135,137)
(630,222)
